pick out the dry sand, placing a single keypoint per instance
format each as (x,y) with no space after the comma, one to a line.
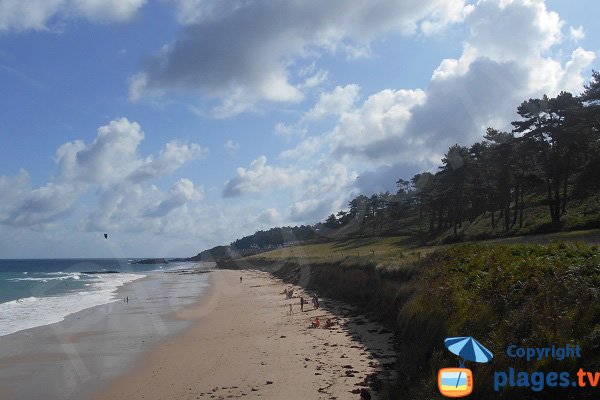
(244,344)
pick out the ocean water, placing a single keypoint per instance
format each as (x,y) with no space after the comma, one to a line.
(41,292)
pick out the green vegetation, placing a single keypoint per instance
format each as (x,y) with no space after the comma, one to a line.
(524,294)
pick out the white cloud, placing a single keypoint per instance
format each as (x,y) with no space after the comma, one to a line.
(365,133)
(336,102)
(182,192)
(174,155)
(260,177)
(304,150)
(264,40)
(113,156)
(195,11)
(512,30)
(576,34)
(329,190)
(20,15)
(137,83)
(395,131)
(43,205)
(315,80)
(269,217)
(108,10)
(481,88)
(22,206)
(12,189)
(572,77)
(287,131)
(111,165)
(231,147)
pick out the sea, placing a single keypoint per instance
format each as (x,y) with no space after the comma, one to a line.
(41,292)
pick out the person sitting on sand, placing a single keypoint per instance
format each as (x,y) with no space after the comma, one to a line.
(316,324)
(329,323)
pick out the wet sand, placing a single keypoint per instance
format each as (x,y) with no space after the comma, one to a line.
(74,358)
(243,343)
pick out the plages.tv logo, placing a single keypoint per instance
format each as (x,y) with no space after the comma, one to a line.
(458,382)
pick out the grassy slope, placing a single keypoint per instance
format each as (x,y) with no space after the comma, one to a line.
(535,290)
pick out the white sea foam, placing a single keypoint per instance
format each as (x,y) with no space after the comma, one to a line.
(55,276)
(30,312)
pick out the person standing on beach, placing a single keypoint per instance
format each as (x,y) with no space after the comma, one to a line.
(302,304)
(240,279)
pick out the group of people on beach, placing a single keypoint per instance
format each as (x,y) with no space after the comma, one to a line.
(289,293)
(314,300)
(317,323)
(315,303)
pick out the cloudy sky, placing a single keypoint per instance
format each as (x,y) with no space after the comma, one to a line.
(176,125)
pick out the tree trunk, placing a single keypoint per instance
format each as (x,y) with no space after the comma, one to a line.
(565,185)
(521,210)
(517,191)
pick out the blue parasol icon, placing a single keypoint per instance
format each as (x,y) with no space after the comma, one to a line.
(468,349)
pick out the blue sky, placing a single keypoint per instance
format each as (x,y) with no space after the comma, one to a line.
(176,125)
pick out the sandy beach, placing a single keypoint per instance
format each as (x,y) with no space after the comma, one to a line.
(75,357)
(244,343)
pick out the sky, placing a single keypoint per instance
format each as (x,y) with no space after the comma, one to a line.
(178,125)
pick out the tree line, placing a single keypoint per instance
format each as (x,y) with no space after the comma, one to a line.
(550,157)
(273,238)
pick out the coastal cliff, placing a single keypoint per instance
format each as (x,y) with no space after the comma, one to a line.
(500,294)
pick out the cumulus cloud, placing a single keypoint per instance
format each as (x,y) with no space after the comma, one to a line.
(243,52)
(287,131)
(458,109)
(111,164)
(572,78)
(329,190)
(336,102)
(481,88)
(397,132)
(269,217)
(20,15)
(22,206)
(304,150)
(366,132)
(576,34)
(231,147)
(533,30)
(43,205)
(181,192)
(113,156)
(260,177)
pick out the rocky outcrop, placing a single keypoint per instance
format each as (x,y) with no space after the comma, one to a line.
(151,261)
